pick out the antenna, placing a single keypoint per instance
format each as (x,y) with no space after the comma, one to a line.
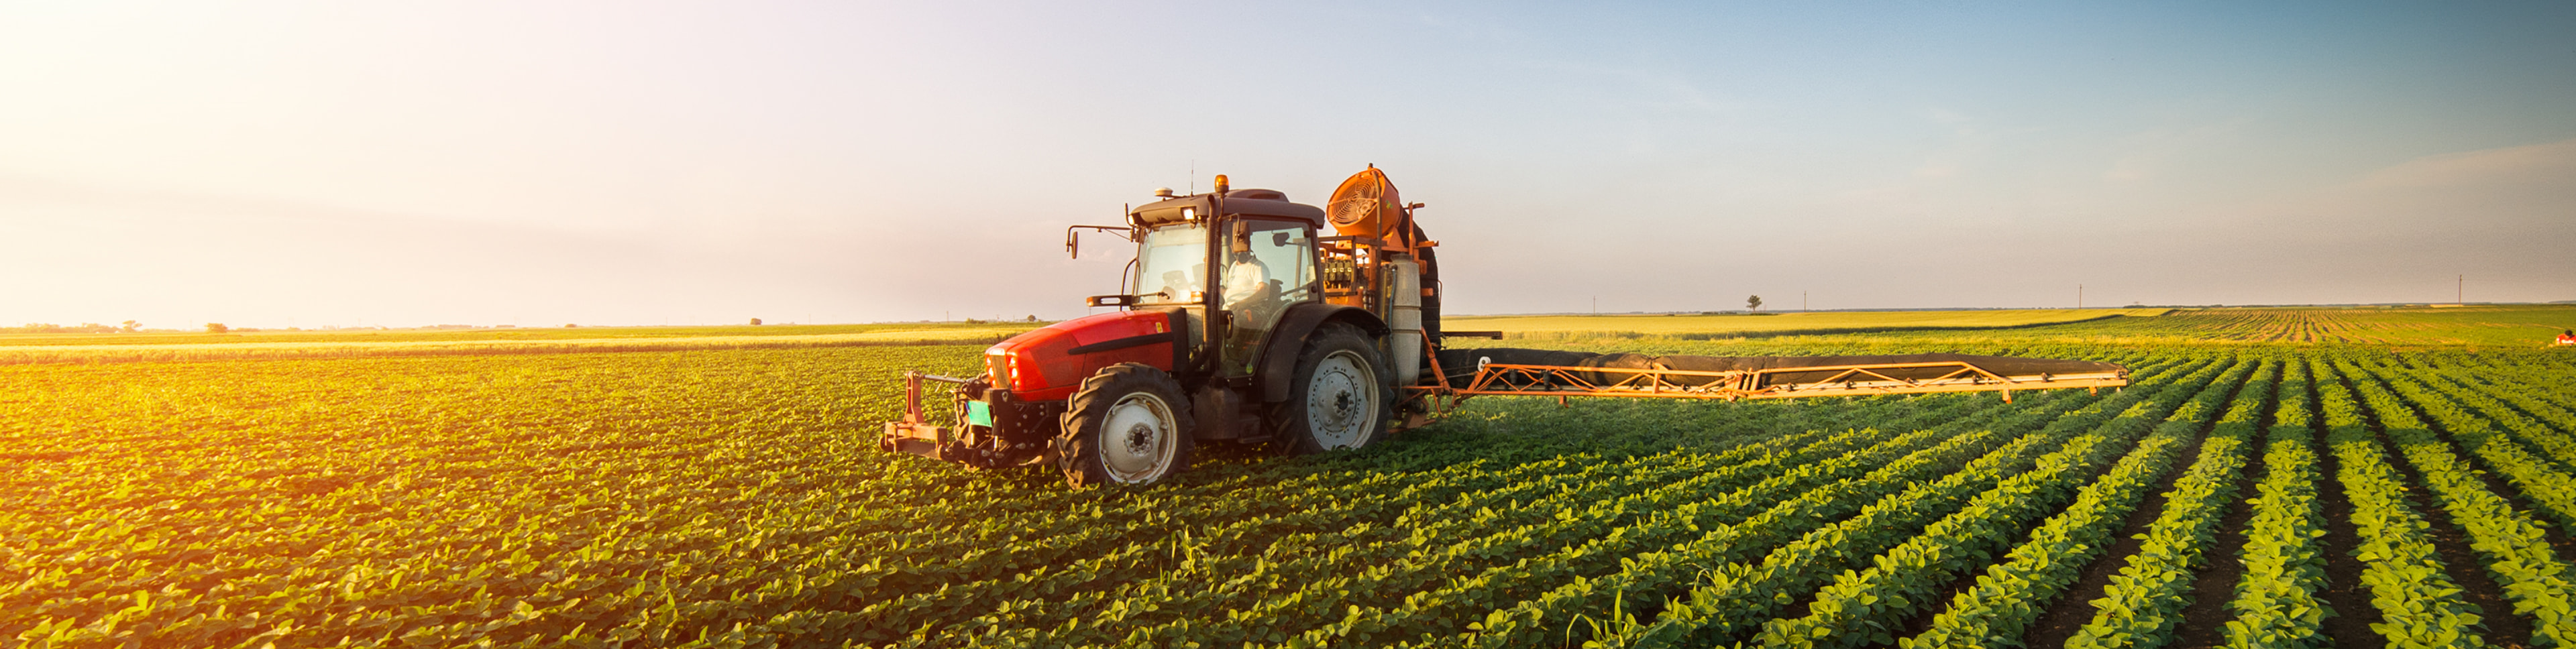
(1194,175)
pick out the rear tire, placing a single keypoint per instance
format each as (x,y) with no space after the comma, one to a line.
(1341,396)
(1127,424)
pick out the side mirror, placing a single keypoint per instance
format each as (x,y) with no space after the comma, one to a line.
(1073,237)
(1279,239)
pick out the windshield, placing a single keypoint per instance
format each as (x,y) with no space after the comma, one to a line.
(1171,264)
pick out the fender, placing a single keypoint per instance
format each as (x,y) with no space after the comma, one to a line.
(1279,355)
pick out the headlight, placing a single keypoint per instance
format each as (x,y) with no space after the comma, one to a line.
(1021,366)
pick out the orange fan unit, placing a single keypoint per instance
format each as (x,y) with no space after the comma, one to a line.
(1366,205)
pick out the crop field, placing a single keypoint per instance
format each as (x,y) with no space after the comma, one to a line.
(2272,478)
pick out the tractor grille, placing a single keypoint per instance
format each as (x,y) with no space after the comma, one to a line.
(997,369)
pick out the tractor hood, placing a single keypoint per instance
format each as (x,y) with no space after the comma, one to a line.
(1048,363)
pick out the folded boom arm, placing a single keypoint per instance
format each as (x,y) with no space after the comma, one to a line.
(1585,375)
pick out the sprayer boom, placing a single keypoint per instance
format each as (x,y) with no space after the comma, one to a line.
(1473,372)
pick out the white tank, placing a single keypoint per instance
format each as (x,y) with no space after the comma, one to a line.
(1404,315)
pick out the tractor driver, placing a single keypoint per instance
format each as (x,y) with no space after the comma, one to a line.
(1251,298)
(1247,281)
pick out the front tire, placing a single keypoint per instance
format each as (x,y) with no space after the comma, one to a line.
(1127,424)
(1339,398)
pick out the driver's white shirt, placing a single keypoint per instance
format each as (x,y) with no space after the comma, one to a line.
(1245,278)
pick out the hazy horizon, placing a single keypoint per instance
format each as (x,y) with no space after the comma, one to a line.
(336,164)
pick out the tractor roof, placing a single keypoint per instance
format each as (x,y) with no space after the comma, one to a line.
(1240,202)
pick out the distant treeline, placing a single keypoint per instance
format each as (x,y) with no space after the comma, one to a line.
(83,328)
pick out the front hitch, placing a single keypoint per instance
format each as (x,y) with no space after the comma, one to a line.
(975,434)
(914,433)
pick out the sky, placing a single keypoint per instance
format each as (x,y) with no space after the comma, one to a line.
(641,163)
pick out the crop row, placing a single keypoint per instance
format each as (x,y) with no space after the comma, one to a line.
(2142,606)
(2276,600)
(2515,548)
(1867,607)
(1607,599)
(1742,593)
(2418,603)
(1741,596)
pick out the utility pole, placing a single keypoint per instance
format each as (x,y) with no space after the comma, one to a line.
(1596,305)
(1802,301)
(2079,296)
(2461,297)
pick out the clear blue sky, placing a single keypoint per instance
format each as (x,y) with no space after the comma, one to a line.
(335,163)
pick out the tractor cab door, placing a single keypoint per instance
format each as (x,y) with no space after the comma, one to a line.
(1267,265)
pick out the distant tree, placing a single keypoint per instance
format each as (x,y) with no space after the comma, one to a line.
(572,326)
(131,326)
(1033,317)
(216,328)
(755,322)
(1753,303)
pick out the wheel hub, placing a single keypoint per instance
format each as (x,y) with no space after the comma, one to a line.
(1140,438)
(1341,400)
(1138,442)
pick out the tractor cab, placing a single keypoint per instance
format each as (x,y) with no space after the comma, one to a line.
(1228,264)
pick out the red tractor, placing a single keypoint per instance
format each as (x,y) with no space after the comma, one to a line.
(1247,320)
(1252,319)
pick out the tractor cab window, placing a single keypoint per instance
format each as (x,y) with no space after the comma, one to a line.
(1171,265)
(1268,265)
